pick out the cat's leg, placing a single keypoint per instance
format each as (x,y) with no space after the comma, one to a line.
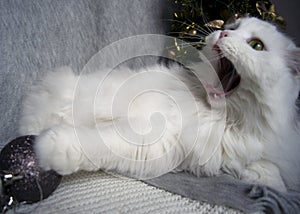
(264,172)
(66,149)
(48,102)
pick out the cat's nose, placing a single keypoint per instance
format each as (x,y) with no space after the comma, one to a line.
(223,34)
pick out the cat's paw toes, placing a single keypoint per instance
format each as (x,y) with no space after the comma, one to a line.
(58,149)
(250,176)
(264,173)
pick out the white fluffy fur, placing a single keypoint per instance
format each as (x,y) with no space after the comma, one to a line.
(150,122)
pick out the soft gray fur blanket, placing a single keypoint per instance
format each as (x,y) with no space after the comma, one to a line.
(40,35)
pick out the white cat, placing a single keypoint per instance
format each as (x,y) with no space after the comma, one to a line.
(160,119)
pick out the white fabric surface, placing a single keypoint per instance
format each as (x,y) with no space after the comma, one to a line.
(100,192)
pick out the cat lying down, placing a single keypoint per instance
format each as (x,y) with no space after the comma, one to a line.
(160,119)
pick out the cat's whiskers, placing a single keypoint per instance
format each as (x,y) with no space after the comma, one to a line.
(204,19)
(198,28)
(191,44)
(188,35)
(215,57)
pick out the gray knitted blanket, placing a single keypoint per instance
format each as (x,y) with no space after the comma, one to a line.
(40,35)
(225,190)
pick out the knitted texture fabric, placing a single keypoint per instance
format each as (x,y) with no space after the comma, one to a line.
(101,192)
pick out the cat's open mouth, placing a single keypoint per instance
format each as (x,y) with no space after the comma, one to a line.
(228,77)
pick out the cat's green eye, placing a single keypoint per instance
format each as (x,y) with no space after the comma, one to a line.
(256,44)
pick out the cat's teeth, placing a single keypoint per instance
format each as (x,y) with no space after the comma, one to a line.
(218,96)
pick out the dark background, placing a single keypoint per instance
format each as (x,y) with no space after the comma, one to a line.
(290,11)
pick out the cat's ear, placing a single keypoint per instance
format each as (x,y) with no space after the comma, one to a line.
(294,61)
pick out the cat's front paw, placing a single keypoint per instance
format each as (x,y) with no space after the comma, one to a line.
(58,149)
(265,173)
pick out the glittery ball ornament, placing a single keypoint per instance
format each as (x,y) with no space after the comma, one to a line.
(32,184)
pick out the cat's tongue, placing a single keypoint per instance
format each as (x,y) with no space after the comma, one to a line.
(214,92)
